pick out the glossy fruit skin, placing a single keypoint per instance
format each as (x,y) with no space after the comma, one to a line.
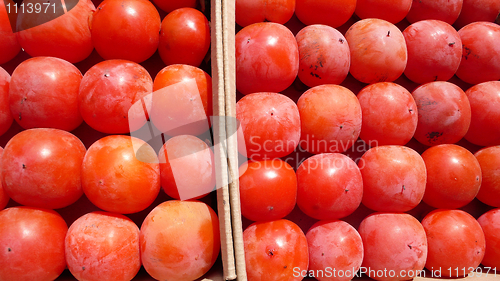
(48,98)
(184,108)
(328,12)
(121,174)
(168,6)
(41,168)
(8,39)
(324,56)
(254,11)
(330,186)
(127,30)
(5,115)
(173,251)
(434,51)
(184,37)
(444,113)
(481,53)
(389,114)
(378,51)
(274,178)
(455,239)
(270,124)
(103,246)
(489,160)
(489,222)
(32,240)
(176,73)
(108,93)
(443,10)
(187,167)
(484,100)
(267,58)
(392,11)
(274,249)
(453,176)
(330,118)
(389,235)
(67,37)
(478,10)
(334,245)
(394,178)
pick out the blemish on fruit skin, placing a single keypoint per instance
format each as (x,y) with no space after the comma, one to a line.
(24,166)
(432,136)
(9,250)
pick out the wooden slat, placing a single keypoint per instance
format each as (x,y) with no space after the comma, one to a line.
(228,27)
(219,130)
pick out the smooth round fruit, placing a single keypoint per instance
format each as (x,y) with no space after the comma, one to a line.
(329,186)
(103,246)
(111,95)
(187,167)
(444,113)
(443,10)
(177,73)
(334,245)
(66,37)
(254,11)
(5,115)
(270,124)
(392,11)
(184,37)
(490,223)
(489,160)
(182,100)
(275,251)
(44,94)
(169,5)
(481,53)
(453,176)
(330,118)
(171,250)
(41,168)
(395,246)
(378,51)
(484,101)
(324,56)
(32,243)
(434,51)
(128,30)
(274,178)
(328,12)
(8,39)
(267,58)
(478,10)
(121,174)
(455,240)
(389,114)
(394,178)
